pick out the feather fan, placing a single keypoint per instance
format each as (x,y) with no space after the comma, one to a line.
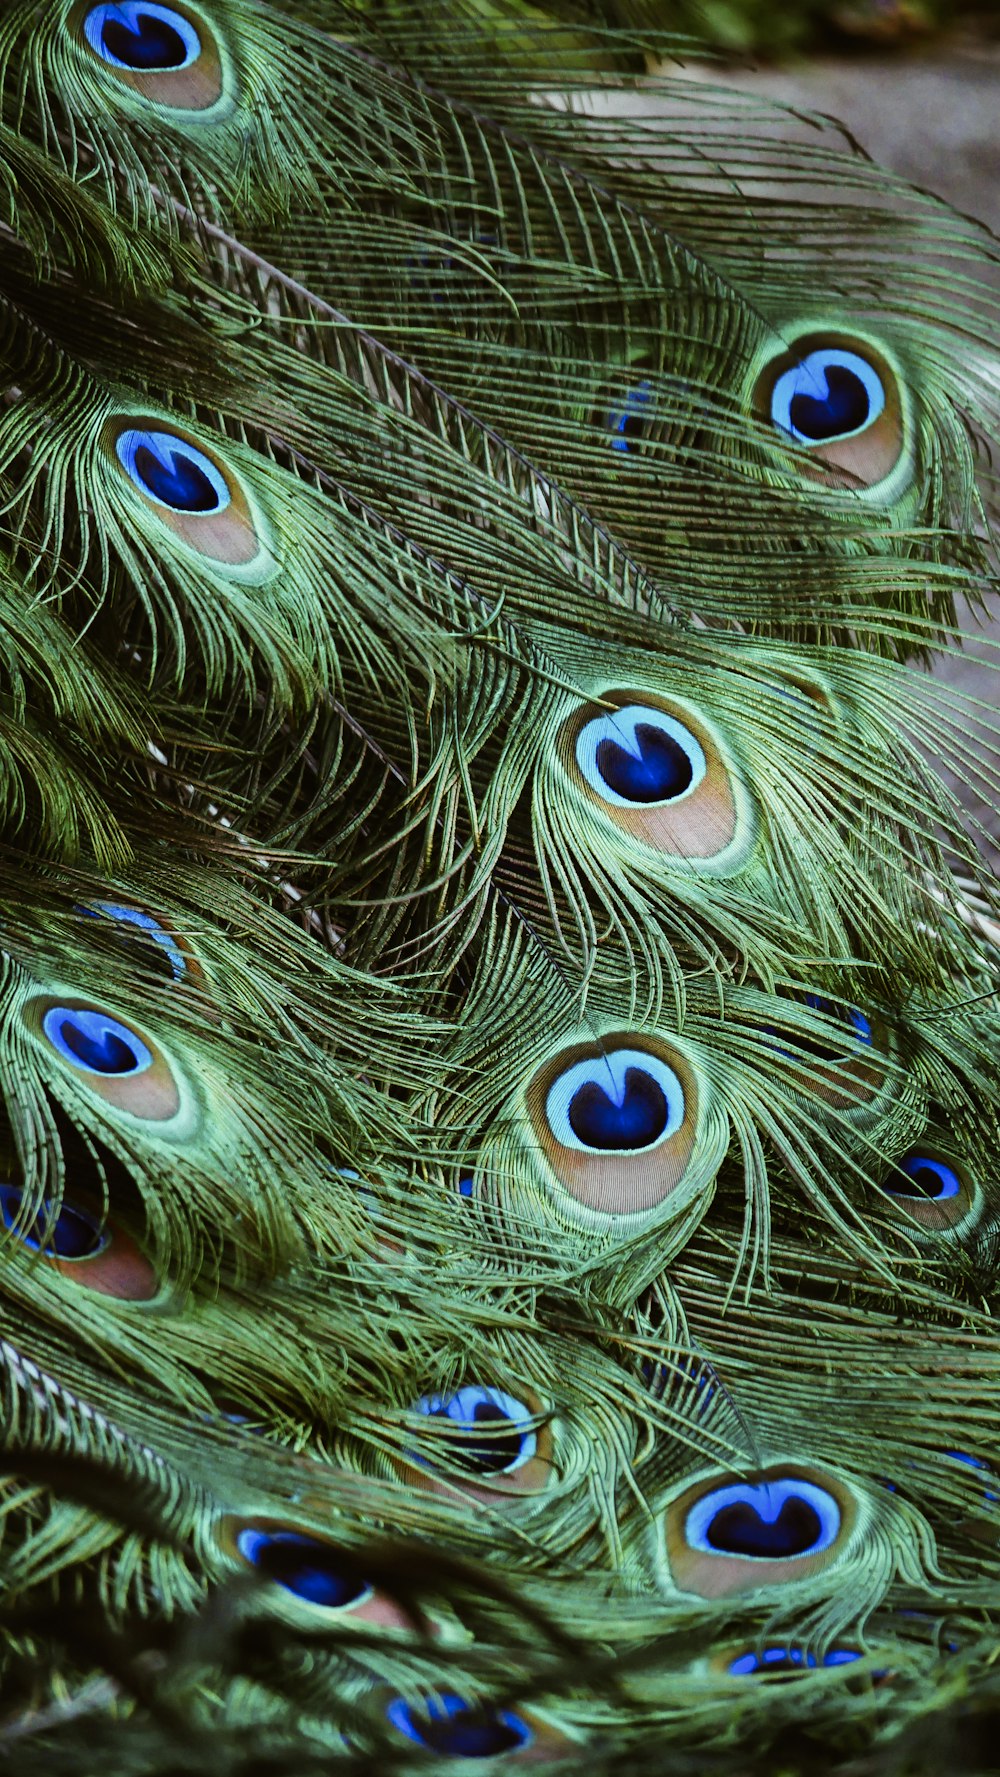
(498,1038)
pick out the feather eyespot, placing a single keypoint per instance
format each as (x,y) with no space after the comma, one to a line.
(146,936)
(488,1440)
(659,774)
(453,1728)
(107,1055)
(66,1232)
(302,1564)
(835,1067)
(616,1121)
(628,420)
(838,398)
(188,488)
(976,1462)
(930,1191)
(726,1536)
(81,1245)
(310,1570)
(165,53)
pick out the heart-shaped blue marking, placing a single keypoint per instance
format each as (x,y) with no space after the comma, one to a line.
(829,394)
(95,1041)
(142,35)
(655,768)
(774,1520)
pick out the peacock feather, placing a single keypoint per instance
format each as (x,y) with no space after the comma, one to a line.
(498,1099)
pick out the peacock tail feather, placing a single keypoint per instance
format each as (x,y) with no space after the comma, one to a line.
(498,1098)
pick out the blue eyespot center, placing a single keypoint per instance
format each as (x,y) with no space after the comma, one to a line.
(774,1520)
(162,948)
(656,769)
(639,755)
(619,1102)
(142,35)
(303,1565)
(66,1233)
(95,1042)
(446,1724)
(612,1121)
(830,394)
(494,1432)
(932,1180)
(172,472)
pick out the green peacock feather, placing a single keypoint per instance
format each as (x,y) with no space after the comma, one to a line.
(498,1086)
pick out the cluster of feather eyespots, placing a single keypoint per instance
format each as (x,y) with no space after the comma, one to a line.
(79,1244)
(658,773)
(166,54)
(616,1120)
(839,399)
(107,1056)
(486,1441)
(452,1727)
(188,488)
(307,1568)
(930,1192)
(727,1536)
(628,419)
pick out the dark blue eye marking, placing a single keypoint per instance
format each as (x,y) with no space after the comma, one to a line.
(69,1234)
(857,1029)
(95,1042)
(618,1102)
(975,1462)
(639,754)
(628,422)
(771,1521)
(829,394)
(684,1374)
(142,35)
(933,1180)
(446,1724)
(302,1564)
(167,948)
(655,769)
(789,1659)
(173,472)
(633,1119)
(860,1026)
(501,1437)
